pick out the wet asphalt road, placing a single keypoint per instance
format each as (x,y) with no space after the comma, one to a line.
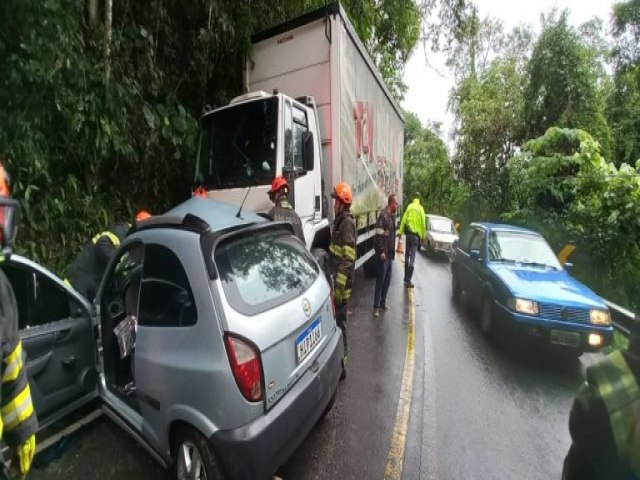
(477,411)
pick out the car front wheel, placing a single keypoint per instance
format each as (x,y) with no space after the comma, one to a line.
(194,458)
(486,317)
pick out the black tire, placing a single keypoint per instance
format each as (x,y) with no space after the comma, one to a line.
(486,318)
(455,285)
(370,268)
(430,251)
(188,446)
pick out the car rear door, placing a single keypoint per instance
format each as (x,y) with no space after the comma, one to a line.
(58,339)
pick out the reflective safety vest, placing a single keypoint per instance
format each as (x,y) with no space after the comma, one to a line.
(620,393)
(343,255)
(17,416)
(413,220)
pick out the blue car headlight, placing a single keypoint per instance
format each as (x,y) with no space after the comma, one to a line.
(522,305)
(599,317)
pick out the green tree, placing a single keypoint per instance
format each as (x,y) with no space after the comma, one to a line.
(623,103)
(427,169)
(489,120)
(562,186)
(562,84)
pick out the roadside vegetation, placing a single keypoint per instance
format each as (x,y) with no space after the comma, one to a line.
(547,135)
(100,101)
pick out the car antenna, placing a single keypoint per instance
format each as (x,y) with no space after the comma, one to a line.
(243,200)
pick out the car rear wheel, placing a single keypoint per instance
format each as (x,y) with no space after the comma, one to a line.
(455,285)
(194,458)
(486,317)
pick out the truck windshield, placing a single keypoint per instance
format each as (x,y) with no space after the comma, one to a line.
(238,145)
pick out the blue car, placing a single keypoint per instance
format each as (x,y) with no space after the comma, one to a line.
(513,277)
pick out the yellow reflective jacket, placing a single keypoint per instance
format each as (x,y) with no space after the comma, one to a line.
(413,220)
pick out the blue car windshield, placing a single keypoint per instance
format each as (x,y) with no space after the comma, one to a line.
(521,248)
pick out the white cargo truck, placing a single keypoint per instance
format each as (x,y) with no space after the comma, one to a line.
(317,112)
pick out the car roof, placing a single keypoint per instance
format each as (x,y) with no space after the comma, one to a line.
(505,227)
(202,214)
(437,217)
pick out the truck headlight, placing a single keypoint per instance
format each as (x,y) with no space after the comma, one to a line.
(521,305)
(599,317)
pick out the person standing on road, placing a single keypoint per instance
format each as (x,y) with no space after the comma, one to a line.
(86,271)
(18,422)
(282,209)
(384,245)
(415,230)
(605,418)
(343,258)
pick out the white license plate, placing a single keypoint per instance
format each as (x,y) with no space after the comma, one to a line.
(307,340)
(570,339)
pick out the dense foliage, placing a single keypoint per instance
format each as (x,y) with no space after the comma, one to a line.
(547,134)
(100,100)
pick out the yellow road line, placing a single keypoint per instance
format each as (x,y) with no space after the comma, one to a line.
(396,452)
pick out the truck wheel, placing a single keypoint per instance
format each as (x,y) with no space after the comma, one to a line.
(370,267)
(193,457)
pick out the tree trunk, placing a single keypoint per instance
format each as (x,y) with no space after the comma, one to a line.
(108,11)
(92,13)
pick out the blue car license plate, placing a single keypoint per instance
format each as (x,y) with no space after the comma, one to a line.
(307,340)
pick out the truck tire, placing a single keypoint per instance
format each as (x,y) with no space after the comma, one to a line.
(370,267)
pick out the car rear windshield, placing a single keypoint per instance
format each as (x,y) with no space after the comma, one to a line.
(264,269)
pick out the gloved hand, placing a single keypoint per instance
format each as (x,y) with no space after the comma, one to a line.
(22,457)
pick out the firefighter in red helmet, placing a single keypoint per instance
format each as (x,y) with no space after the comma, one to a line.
(282,209)
(18,422)
(343,257)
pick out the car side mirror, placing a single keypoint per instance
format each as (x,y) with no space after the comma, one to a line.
(568,266)
(475,255)
(307,151)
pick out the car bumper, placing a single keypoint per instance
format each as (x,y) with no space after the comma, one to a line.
(256,450)
(572,335)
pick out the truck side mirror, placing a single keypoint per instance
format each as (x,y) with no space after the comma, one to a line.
(307,150)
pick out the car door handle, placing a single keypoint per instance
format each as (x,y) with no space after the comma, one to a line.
(69,362)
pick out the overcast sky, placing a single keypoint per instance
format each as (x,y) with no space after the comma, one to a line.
(428,90)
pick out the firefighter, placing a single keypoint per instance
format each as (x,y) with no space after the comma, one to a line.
(343,258)
(605,418)
(86,271)
(282,209)
(18,422)
(414,227)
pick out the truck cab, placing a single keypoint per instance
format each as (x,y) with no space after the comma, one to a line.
(246,144)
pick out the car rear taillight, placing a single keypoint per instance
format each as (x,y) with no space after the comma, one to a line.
(245,365)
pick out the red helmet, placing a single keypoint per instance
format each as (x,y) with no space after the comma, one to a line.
(342,192)
(199,192)
(9,216)
(278,183)
(142,215)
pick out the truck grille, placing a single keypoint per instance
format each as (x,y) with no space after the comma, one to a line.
(558,312)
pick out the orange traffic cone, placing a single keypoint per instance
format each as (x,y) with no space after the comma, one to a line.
(399,248)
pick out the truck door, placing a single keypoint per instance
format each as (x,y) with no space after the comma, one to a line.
(296,122)
(57,337)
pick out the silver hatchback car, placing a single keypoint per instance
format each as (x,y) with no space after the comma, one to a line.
(212,341)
